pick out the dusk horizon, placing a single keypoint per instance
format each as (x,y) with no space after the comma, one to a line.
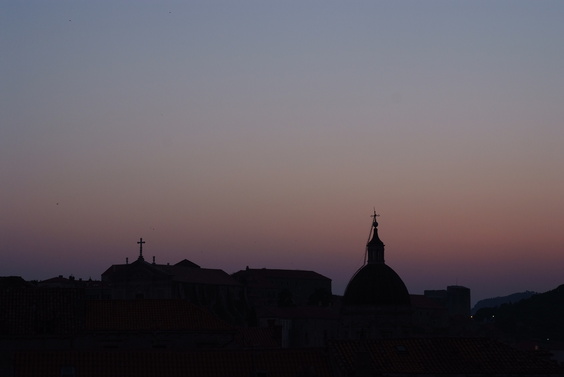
(339,284)
(266,134)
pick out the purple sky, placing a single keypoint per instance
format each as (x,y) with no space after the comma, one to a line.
(264,134)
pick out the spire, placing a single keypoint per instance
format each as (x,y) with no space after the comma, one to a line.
(141,242)
(375,247)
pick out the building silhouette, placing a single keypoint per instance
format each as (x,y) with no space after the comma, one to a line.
(149,319)
(213,289)
(275,287)
(376,302)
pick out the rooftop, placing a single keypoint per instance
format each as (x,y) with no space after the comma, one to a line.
(139,315)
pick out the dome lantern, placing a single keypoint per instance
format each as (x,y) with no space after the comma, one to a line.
(375,283)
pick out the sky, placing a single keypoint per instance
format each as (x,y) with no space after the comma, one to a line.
(265,134)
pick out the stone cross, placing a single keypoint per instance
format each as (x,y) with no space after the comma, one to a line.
(141,242)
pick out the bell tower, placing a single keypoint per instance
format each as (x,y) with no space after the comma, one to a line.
(375,247)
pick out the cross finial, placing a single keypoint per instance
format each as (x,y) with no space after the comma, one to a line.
(374,216)
(141,242)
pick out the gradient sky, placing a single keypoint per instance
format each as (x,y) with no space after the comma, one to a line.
(263,134)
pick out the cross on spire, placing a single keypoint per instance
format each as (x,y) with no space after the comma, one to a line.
(374,247)
(374,216)
(141,242)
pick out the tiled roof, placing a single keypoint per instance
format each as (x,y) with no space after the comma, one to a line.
(62,282)
(57,279)
(11,282)
(184,271)
(144,315)
(201,275)
(279,274)
(258,337)
(187,263)
(434,356)
(138,270)
(35,311)
(311,312)
(274,363)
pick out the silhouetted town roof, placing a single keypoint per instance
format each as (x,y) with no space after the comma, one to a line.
(269,273)
(184,271)
(269,278)
(138,270)
(439,356)
(315,312)
(200,275)
(220,363)
(144,315)
(62,282)
(11,282)
(36,311)
(187,263)
(384,357)
(258,337)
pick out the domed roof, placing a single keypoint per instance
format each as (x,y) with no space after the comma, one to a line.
(376,283)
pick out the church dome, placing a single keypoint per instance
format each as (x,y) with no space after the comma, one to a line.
(376,283)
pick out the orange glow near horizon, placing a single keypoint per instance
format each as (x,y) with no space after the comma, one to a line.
(232,137)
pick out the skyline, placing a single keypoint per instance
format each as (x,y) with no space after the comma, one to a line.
(264,134)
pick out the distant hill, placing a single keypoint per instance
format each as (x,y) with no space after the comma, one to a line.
(538,317)
(498,301)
